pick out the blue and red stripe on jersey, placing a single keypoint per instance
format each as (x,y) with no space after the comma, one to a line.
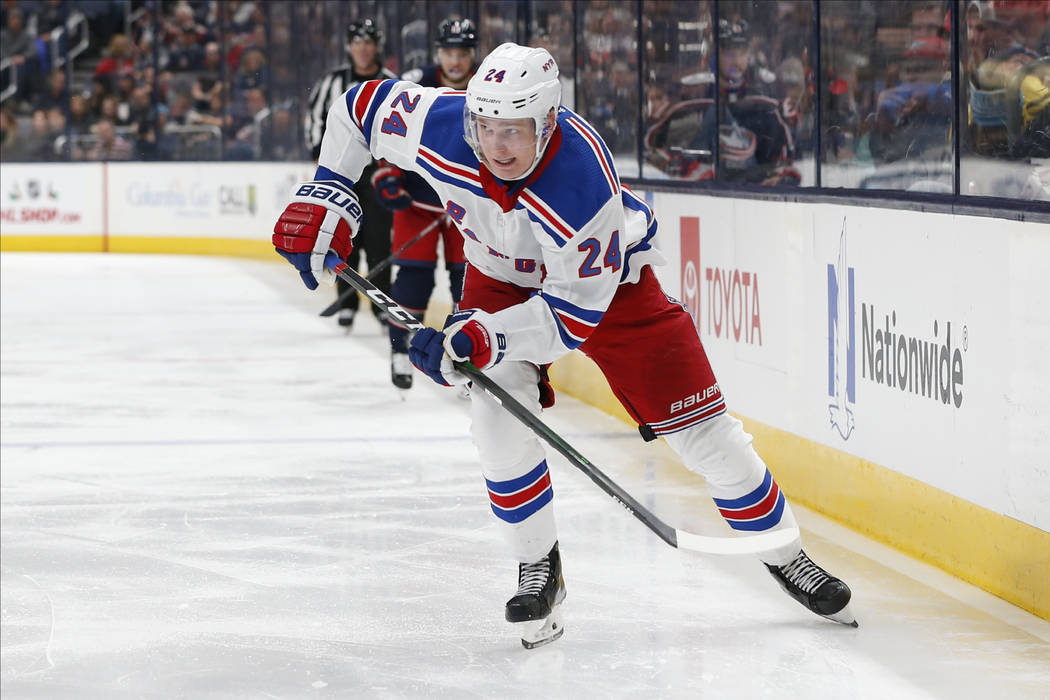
(449,171)
(600,150)
(634,202)
(543,214)
(516,499)
(575,323)
(759,510)
(363,102)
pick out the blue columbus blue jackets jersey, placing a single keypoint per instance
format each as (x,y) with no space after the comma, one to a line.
(570,230)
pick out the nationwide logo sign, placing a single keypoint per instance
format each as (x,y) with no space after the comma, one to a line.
(928,367)
(842,349)
(733,307)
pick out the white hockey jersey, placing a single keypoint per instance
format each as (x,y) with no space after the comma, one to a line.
(570,230)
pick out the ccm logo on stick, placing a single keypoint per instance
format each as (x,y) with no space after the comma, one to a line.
(694,399)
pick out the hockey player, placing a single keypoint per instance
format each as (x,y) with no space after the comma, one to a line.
(755,143)
(560,257)
(364,42)
(416,206)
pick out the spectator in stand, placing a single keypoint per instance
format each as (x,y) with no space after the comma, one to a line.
(149,132)
(255,39)
(56,128)
(101,88)
(181,105)
(913,117)
(181,22)
(9,135)
(280,141)
(244,126)
(39,144)
(209,81)
(187,54)
(125,87)
(79,114)
(109,145)
(251,70)
(50,17)
(119,56)
(141,108)
(796,101)
(212,116)
(110,109)
(671,125)
(56,94)
(17,44)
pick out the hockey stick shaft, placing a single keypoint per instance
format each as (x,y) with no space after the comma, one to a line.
(676,538)
(383,264)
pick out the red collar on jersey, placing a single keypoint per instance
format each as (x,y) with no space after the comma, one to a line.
(506,195)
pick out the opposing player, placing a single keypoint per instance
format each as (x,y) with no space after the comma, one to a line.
(364,42)
(756,144)
(560,257)
(417,207)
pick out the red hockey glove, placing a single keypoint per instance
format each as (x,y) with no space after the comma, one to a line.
(322,215)
(389,189)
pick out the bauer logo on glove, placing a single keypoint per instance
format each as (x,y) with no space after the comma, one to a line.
(323,215)
(339,197)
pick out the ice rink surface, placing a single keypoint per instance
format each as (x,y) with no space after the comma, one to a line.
(207,491)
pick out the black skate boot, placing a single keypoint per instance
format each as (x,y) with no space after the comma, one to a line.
(815,588)
(535,607)
(401,370)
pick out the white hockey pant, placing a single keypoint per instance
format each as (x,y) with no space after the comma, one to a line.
(514,463)
(737,478)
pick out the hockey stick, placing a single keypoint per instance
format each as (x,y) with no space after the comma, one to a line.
(332,308)
(681,539)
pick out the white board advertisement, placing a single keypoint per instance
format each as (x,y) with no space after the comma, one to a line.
(221,200)
(903,338)
(51,199)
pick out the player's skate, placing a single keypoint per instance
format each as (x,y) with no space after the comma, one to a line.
(535,608)
(401,370)
(346,318)
(815,588)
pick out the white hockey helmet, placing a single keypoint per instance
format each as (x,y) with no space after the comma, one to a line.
(514,82)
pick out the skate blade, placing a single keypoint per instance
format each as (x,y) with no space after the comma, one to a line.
(536,633)
(844,616)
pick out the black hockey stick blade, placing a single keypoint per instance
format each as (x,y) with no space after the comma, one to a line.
(752,544)
(383,264)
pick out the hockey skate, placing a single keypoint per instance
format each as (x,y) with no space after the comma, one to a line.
(815,588)
(400,370)
(346,318)
(535,608)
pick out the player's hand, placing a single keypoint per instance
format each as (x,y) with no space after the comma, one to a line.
(426,350)
(321,215)
(470,335)
(390,191)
